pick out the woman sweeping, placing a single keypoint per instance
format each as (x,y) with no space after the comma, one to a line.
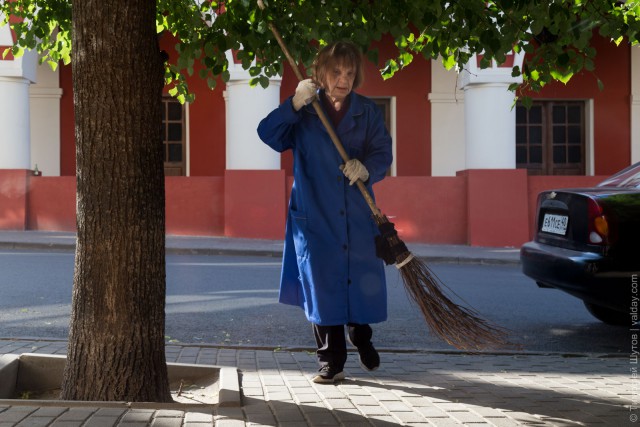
(330,268)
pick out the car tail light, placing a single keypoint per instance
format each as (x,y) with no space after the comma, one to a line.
(598,225)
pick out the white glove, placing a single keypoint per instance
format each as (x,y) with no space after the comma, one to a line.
(354,170)
(306,92)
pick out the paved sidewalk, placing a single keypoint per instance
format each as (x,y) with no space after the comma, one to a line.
(413,389)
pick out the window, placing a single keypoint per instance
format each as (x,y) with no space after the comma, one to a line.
(173,125)
(550,138)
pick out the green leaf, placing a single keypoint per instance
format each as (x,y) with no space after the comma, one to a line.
(449,62)
(535,75)
(391,67)
(560,76)
(405,59)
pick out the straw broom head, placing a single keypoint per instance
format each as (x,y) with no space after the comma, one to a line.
(458,326)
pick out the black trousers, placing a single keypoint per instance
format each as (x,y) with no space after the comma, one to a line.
(332,344)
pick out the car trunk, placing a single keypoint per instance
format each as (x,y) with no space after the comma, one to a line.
(564,220)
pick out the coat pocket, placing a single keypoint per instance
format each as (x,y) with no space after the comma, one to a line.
(299,233)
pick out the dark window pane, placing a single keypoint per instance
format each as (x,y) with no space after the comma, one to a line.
(175,152)
(175,111)
(175,132)
(164,112)
(521,115)
(559,136)
(521,155)
(521,135)
(575,154)
(559,155)
(574,114)
(559,114)
(535,135)
(535,114)
(535,155)
(574,135)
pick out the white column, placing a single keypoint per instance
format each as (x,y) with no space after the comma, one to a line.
(246,106)
(489,114)
(447,122)
(490,126)
(45,121)
(14,123)
(15,76)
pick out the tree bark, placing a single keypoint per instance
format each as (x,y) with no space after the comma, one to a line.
(116,338)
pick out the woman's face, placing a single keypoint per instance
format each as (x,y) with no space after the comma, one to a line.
(339,81)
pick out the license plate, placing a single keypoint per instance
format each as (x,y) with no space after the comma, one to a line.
(556,224)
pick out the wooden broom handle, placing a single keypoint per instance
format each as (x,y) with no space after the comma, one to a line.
(323,117)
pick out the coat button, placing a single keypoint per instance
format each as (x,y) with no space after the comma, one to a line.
(344,247)
(342,212)
(339,178)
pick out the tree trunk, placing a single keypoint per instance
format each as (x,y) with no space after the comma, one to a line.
(116,339)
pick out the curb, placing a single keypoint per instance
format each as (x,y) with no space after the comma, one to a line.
(436,259)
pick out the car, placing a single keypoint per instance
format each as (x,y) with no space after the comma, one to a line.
(587,243)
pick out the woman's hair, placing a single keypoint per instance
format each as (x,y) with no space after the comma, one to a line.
(339,53)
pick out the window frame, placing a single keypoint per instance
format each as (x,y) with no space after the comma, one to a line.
(548,126)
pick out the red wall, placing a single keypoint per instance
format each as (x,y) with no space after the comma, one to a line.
(195,205)
(497,206)
(612,115)
(52,203)
(13,198)
(477,207)
(425,209)
(255,203)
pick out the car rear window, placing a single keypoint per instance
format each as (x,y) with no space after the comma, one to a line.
(626,178)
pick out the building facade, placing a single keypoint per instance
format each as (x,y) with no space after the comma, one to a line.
(467,161)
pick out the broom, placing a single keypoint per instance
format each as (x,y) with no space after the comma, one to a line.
(458,326)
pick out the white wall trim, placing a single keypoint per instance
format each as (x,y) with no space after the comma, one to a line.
(589,160)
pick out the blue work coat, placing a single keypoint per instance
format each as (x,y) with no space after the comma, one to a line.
(329,267)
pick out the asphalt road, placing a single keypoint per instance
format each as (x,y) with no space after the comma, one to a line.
(233,301)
